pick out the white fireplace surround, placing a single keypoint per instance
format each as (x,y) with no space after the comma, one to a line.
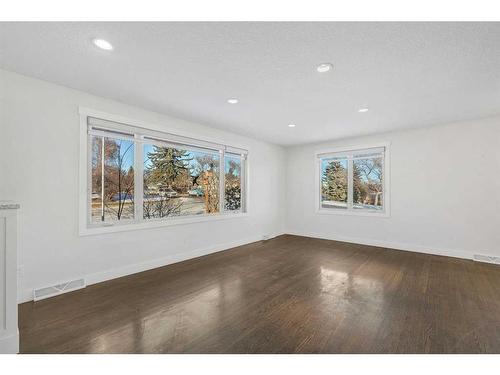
(9,333)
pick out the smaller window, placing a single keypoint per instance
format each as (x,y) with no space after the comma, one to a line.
(353,181)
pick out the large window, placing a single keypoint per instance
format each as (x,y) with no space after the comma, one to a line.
(353,181)
(136,175)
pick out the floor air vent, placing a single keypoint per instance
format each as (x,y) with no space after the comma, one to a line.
(487,258)
(54,290)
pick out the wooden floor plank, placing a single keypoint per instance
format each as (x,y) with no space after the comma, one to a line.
(287,295)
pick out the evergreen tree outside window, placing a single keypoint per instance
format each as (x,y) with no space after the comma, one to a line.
(179,182)
(334,183)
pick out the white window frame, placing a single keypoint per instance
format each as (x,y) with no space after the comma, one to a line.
(85,225)
(386,181)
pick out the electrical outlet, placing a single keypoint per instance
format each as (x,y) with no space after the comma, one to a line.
(20,271)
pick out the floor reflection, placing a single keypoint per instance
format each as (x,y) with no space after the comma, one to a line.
(359,300)
(154,330)
(345,285)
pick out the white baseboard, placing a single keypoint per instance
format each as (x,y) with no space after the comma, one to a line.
(390,245)
(9,344)
(26,295)
(155,263)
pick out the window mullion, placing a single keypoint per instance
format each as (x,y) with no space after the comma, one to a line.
(350,183)
(138,178)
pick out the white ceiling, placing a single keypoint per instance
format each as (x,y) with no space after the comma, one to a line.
(407,74)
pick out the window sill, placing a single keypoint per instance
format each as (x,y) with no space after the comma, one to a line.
(324,211)
(125,227)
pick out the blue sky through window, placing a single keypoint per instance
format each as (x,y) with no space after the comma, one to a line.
(326,162)
(128,157)
(126,153)
(236,159)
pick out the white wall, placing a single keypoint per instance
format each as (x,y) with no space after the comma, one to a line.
(39,166)
(445,192)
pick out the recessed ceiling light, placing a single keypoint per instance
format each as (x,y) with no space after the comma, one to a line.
(325,67)
(363,110)
(103,44)
(291,125)
(232,101)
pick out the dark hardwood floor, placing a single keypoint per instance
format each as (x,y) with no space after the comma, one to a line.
(286,295)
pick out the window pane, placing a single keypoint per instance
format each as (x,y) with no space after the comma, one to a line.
(367,184)
(112,179)
(232,188)
(96,194)
(334,183)
(179,182)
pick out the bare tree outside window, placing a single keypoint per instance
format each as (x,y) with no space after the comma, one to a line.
(112,179)
(367,183)
(206,176)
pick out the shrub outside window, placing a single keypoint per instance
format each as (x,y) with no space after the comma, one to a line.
(233,182)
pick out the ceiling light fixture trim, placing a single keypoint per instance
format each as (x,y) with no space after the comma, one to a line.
(102,44)
(324,67)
